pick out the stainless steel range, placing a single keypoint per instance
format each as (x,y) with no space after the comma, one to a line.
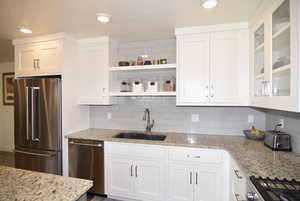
(266,189)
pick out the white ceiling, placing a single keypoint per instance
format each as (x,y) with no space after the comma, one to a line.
(131,19)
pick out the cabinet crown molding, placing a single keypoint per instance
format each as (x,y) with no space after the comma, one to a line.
(37,39)
(210,28)
(103,39)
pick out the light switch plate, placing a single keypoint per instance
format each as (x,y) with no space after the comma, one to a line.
(109,115)
(250,118)
(195,117)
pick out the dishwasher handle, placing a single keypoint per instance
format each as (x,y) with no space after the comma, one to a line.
(86,144)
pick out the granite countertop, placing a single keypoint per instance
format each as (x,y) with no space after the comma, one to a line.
(24,185)
(252,156)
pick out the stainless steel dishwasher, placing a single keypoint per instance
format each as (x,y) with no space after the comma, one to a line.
(86,161)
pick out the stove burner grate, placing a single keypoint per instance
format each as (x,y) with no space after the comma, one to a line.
(277,190)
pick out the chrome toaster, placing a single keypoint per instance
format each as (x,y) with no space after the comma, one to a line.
(278,141)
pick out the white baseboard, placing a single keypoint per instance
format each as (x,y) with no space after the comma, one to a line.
(6,148)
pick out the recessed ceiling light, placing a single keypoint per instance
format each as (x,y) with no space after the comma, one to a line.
(102,17)
(210,3)
(25,30)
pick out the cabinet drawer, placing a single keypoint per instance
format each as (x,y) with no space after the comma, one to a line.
(196,155)
(136,150)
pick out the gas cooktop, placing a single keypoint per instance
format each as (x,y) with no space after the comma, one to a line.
(277,190)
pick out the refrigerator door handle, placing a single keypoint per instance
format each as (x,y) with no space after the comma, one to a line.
(27,112)
(34,154)
(34,112)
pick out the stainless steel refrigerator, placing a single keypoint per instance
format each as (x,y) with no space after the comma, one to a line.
(38,127)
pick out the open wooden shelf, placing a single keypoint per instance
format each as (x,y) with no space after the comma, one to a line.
(161,93)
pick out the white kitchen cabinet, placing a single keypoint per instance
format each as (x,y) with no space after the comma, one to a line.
(229,54)
(195,182)
(274,65)
(49,58)
(193,70)
(181,186)
(237,182)
(195,175)
(120,174)
(213,65)
(149,181)
(135,171)
(95,59)
(208,183)
(39,56)
(25,59)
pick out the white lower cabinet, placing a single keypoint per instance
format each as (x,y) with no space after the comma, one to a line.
(130,176)
(120,174)
(237,181)
(162,173)
(198,182)
(149,180)
(208,183)
(180,183)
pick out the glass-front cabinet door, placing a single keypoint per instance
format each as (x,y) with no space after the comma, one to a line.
(259,61)
(281,50)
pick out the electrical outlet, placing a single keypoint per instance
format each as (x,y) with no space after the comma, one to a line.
(195,117)
(281,121)
(250,118)
(109,115)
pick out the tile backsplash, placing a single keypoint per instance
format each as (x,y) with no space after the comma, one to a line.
(291,125)
(128,113)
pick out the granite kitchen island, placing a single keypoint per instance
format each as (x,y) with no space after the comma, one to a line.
(23,185)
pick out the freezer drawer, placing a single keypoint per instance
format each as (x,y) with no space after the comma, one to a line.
(86,161)
(41,161)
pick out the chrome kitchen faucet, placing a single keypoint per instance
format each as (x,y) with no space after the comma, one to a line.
(148,119)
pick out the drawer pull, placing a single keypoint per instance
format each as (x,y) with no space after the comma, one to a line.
(188,156)
(237,174)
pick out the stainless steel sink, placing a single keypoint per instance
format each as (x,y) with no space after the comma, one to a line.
(141,136)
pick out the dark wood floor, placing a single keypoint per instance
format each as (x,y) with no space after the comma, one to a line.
(7,159)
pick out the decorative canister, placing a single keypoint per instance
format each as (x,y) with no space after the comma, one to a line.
(169,85)
(137,86)
(152,86)
(125,87)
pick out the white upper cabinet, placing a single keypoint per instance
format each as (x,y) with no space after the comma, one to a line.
(275,52)
(39,56)
(193,70)
(50,57)
(95,58)
(229,54)
(213,65)
(25,59)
